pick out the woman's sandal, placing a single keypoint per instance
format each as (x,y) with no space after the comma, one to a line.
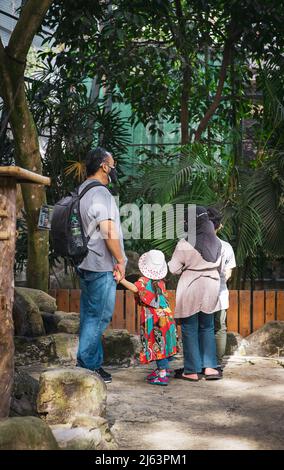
(179,375)
(213,376)
(188,379)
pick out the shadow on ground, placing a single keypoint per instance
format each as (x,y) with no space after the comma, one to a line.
(242,411)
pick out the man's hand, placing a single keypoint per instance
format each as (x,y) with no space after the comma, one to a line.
(120,267)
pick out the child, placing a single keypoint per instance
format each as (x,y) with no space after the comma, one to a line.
(157,329)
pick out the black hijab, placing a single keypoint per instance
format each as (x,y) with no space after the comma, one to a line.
(207,243)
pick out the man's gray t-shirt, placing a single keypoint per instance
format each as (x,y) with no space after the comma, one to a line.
(97,205)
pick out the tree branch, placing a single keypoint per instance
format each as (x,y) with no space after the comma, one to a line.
(232,36)
(26,28)
(1,46)
(2,65)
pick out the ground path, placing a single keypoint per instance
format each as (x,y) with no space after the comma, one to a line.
(243,411)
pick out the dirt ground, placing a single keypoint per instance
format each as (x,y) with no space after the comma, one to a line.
(244,410)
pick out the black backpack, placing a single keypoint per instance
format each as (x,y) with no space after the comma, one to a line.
(67,231)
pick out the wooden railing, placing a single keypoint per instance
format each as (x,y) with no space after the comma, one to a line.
(249,310)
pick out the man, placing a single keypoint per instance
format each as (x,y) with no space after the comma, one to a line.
(101,222)
(228,263)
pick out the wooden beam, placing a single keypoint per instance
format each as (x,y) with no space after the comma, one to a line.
(24,176)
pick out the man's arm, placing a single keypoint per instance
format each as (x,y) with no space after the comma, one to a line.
(228,273)
(110,235)
(230,262)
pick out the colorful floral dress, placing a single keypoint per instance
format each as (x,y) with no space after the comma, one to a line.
(157,325)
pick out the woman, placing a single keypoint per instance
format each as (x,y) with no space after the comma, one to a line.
(197,298)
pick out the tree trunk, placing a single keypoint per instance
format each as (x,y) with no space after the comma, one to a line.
(7,251)
(27,155)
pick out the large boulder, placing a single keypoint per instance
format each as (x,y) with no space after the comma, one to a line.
(24,395)
(56,348)
(45,302)
(65,394)
(50,321)
(27,433)
(266,341)
(66,346)
(85,433)
(234,344)
(64,322)
(120,348)
(26,315)
(69,324)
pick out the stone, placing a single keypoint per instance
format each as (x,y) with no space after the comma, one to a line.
(78,438)
(26,433)
(50,321)
(65,394)
(234,341)
(69,325)
(26,315)
(49,349)
(60,278)
(24,395)
(44,301)
(266,341)
(66,346)
(85,433)
(120,348)
(65,322)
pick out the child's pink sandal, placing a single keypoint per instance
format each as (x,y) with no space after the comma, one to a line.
(159,380)
(155,373)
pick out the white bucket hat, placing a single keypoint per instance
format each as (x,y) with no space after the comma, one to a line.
(152,264)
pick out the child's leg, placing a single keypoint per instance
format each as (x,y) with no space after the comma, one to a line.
(161,377)
(163,364)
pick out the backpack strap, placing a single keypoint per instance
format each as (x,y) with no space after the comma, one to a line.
(91,185)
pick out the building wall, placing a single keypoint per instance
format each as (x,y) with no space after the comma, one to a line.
(8,19)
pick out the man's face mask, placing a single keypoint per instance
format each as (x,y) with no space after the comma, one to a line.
(113,177)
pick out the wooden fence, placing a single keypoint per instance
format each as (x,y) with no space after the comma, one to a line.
(249,310)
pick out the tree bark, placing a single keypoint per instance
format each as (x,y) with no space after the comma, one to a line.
(28,156)
(12,90)
(7,253)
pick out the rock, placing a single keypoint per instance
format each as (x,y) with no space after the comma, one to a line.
(24,395)
(65,394)
(66,346)
(78,438)
(28,433)
(69,325)
(45,302)
(61,279)
(50,321)
(266,341)
(120,348)
(26,315)
(56,348)
(65,322)
(234,341)
(85,433)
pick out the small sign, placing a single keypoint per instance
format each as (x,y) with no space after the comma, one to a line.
(45,216)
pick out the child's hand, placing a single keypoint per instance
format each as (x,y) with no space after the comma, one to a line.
(117,276)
